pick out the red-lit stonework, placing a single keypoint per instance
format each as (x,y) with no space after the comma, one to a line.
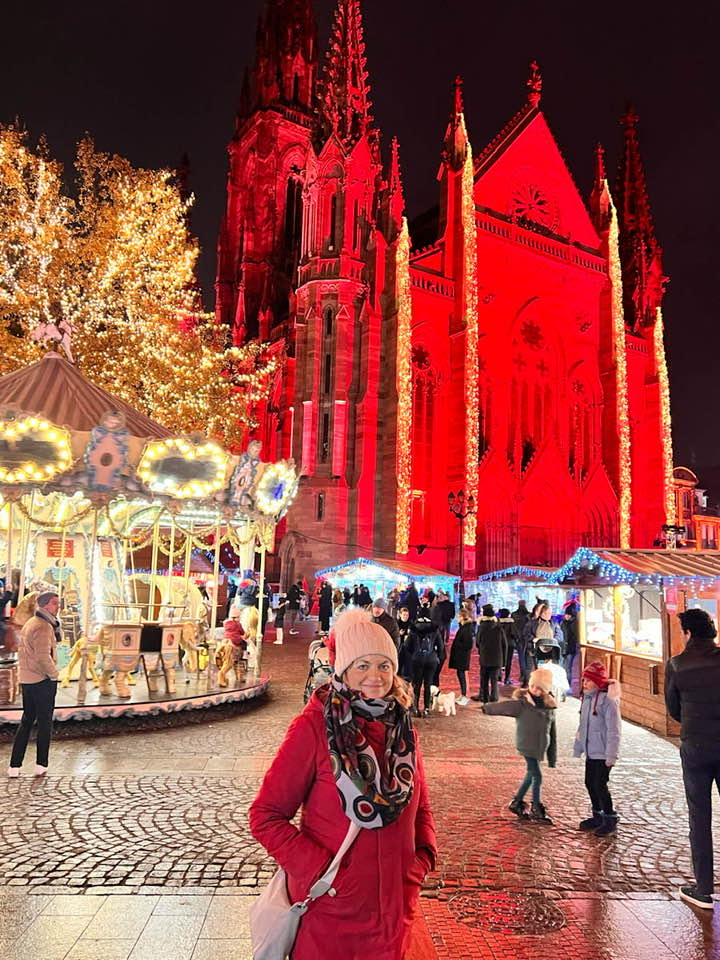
(569,407)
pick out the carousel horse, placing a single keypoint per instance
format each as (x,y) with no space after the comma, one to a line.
(231,654)
(249,621)
(76,652)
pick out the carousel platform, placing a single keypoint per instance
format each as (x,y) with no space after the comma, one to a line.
(188,696)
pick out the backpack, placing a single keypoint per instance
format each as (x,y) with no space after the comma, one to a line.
(425,647)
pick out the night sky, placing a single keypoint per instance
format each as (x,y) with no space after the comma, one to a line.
(155,80)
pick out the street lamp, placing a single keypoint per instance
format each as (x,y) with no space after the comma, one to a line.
(461,508)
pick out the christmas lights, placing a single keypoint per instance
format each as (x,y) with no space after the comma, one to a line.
(665,418)
(16,460)
(471,366)
(404,391)
(518,572)
(621,386)
(276,489)
(615,573)
(157,470)
(370,567)
(116,266)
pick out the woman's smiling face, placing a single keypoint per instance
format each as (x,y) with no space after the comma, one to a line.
(371,676)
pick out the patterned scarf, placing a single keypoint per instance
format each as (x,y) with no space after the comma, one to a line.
(371,796)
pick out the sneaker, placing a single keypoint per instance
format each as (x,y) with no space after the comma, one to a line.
(13,772)
(690,895)
(592,823)
(462,701)
(426,712)
(538,815)
(277,642)
(40,771)
(519,808)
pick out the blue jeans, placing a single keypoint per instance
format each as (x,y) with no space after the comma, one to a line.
(569,663)
(534,777)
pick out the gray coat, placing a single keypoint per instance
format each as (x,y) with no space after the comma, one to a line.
(598,735)
(535,733)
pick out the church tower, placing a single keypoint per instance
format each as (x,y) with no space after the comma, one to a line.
(260,236)
(643,283)
(344,402)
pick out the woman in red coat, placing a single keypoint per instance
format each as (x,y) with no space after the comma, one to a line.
(352,754)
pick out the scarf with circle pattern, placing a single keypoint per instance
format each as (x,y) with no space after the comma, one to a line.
(372,794)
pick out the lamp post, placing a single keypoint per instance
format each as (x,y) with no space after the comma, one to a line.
(461,508)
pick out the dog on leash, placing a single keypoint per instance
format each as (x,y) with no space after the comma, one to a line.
(442,702)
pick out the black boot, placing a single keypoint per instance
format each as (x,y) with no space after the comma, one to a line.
(519,808)
(609,825)
(593,822)
(538,814)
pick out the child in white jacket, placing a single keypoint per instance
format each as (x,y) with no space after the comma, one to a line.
(598,737)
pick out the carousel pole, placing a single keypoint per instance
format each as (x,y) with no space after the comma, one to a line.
(188,560)
(261,601)
(171,562)
(61,578)
(9,568)
(153,571)
(213,609)
(82,683)
(25,546)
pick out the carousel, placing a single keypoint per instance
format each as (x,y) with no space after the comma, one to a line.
(88,487)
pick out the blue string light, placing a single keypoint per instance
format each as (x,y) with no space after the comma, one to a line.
(614,573)
(546,575)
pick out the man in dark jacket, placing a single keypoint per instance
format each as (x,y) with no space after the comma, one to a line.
(492,650)
(442,614)
(411,600)
(294,596)
(520,618)
(388,623)
(692,695)
(325,607)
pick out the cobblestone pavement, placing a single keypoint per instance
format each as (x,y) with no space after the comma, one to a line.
(162,815)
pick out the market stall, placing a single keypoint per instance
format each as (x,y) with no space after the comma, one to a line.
(380,576)
(629,602)
(87,483)
(504,588)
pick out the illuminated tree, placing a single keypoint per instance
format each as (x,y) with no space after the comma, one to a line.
(117,263)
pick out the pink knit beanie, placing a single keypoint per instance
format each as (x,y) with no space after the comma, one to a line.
(357,636)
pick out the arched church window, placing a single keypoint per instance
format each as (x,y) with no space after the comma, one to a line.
(296,88)
(293,219)
(328,317)
(332,239)
(325,438)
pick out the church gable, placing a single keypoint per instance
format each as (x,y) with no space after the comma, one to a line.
(527,178)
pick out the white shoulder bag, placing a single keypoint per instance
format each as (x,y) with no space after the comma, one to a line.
(274,921)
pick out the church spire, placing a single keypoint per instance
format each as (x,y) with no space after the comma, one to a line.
(641,254)
(534,84)
(600,196)
(286,59)
(396,197)
(345,96)
(456,139)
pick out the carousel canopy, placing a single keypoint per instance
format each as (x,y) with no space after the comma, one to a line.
(369,568)
(56,390)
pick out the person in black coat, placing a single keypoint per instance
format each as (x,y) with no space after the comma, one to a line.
(571,645)
(492,650)
(404,623)
(460,651)
(507,625)
(411,600)
(382,617)
(425,654)
(294,597)
(325,607)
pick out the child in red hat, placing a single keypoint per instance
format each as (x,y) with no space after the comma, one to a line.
(598,737)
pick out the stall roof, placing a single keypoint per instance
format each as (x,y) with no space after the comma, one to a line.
(526,573)
(637,566)
(403,568)
(55,389)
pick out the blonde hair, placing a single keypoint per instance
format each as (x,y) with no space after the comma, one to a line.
(401,691)
(463,615)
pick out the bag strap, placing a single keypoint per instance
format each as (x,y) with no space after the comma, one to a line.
(323,885)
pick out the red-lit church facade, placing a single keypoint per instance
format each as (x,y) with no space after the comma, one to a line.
(510,344)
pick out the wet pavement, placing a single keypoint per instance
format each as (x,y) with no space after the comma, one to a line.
(150,828)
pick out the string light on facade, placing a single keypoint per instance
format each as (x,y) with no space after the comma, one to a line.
(621,384)
(404,392)
(665,418)
(471,366)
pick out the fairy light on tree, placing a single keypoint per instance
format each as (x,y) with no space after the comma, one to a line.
(116,265)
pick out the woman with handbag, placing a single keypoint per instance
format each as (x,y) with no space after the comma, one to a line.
(351,760)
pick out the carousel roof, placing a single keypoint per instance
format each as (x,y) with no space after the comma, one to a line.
(56,390)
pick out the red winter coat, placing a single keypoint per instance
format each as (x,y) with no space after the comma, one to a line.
(379,880)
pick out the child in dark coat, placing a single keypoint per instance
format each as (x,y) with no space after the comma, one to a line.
(460,653)
(534,710)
